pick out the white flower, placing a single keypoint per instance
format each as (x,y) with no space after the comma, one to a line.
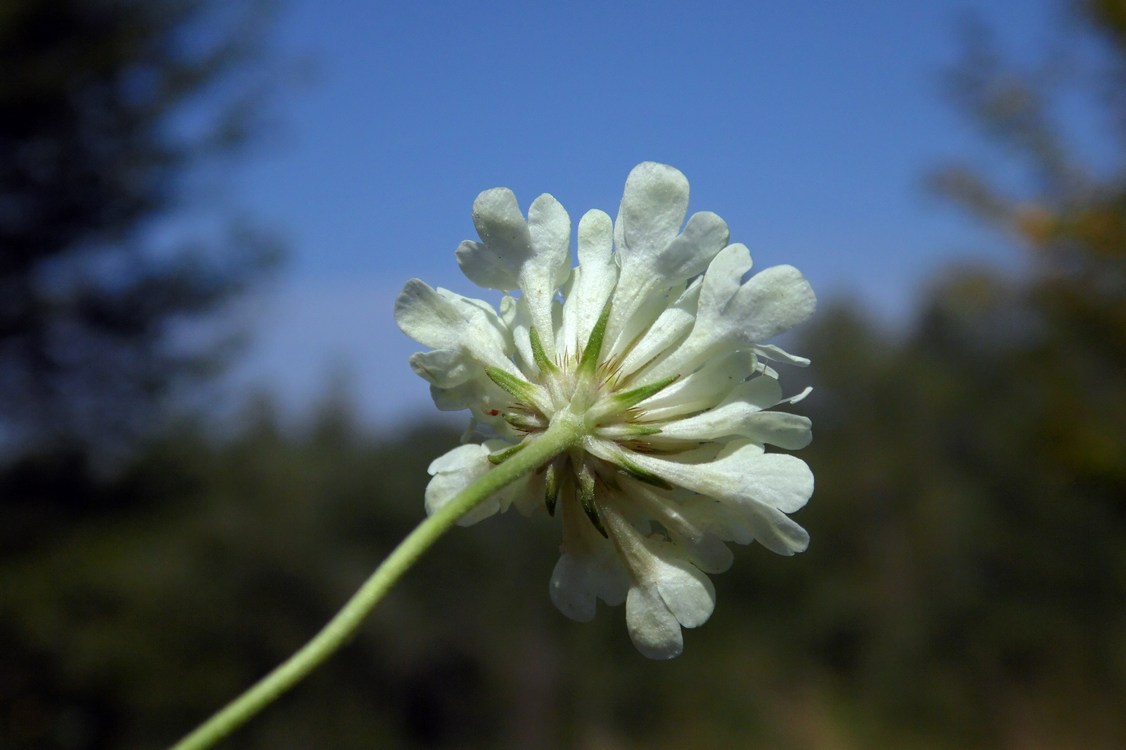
(654,347)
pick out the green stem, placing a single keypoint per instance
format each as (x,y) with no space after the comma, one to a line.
(557,438)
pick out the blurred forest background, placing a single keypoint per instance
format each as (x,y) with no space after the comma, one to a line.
(966,586)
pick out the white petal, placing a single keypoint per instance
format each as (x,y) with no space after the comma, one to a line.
(728,417)
(531,254)
(769,303)
(746,474)
(570,590)
(776,480)
(424,316)
(772,302)
(457,469)
(653,258)
(507,310)
(708,552)
(457,459)
(772,352)
(441,319)
(774,530)
(702,389)
(723,279)
(720,519)
(589,568)
(654,204)
(670,328)
(478,392)
(520,323)
(759,393)
(689,254)
(668,590)
(742,414)
(550,229)
(759,488)
(687,592)
(506,244)
(481,313)
(594,281)
(653,629)
(451,473)
(703,548)
(789,431)
(625,330)
(484,266)
(649,274)
(444,368)
(448,321)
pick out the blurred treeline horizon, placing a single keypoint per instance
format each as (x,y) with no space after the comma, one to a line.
(966,583)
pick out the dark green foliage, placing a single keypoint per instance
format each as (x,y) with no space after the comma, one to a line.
(963,588)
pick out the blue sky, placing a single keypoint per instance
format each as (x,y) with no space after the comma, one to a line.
(808,126)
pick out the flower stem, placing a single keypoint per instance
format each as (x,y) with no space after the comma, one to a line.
(562,434)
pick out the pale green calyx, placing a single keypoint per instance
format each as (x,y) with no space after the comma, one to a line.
(642,366)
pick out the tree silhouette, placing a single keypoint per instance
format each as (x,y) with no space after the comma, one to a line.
(107,107)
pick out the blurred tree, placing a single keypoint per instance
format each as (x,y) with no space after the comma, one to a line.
(1051,351)
(971,503)
(107,108)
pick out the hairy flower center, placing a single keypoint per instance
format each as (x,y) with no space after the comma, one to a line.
(587,394)
(582,387)
(578,391)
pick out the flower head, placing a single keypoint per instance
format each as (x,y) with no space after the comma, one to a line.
(651,351)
